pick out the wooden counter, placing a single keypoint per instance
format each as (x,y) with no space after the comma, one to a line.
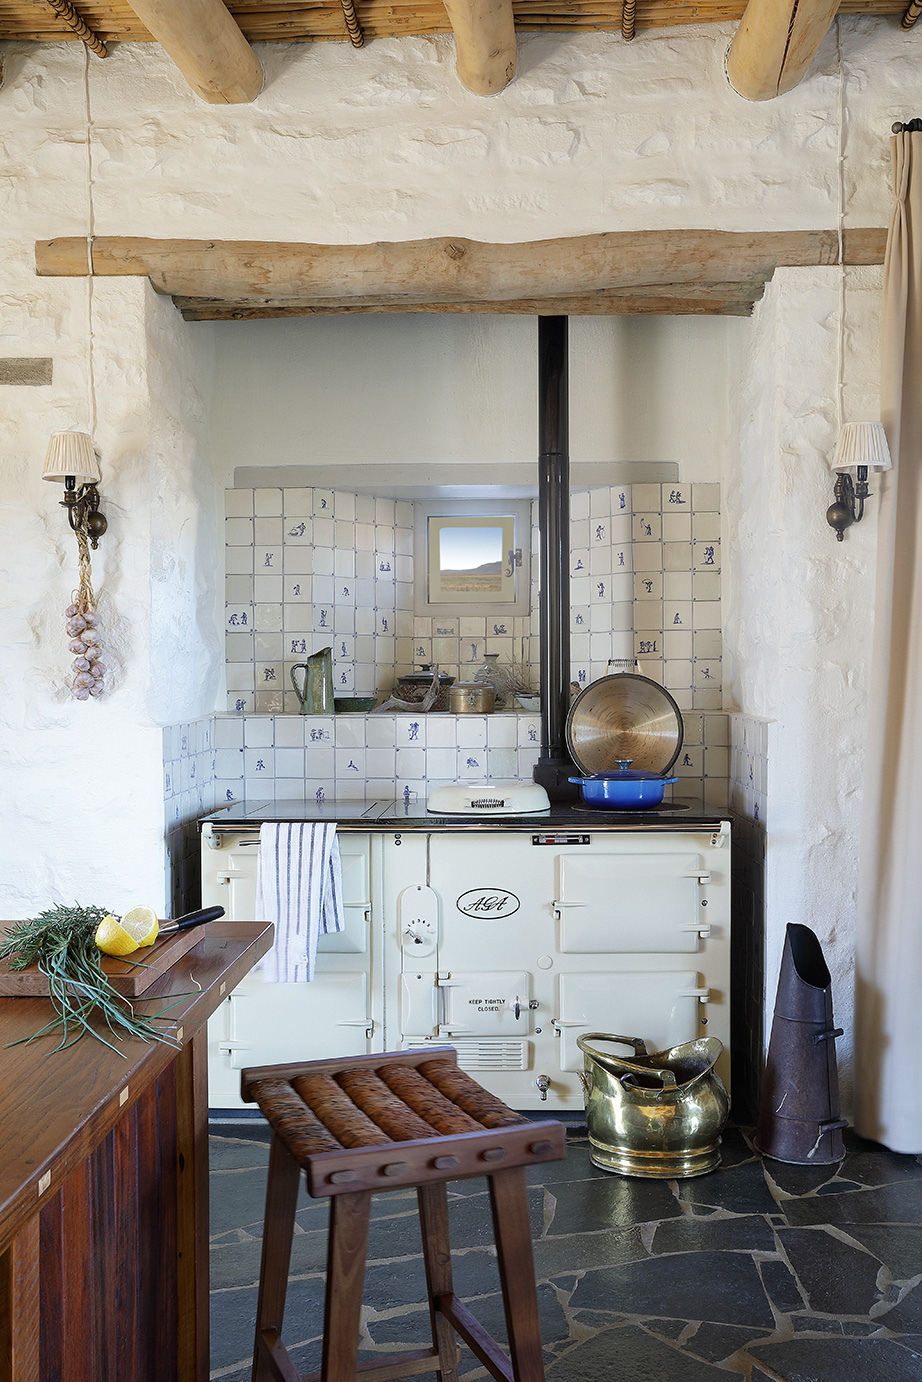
(104,1186)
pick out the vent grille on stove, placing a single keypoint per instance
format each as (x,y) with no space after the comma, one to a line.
(484,1053)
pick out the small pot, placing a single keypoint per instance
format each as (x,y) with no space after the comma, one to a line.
(624,789)
(415,686)
(471,698)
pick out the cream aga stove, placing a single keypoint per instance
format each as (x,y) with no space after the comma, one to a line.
(505,939)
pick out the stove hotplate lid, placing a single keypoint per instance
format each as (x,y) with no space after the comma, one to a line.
(498,797)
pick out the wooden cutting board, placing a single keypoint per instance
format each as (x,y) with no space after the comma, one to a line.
(130,977)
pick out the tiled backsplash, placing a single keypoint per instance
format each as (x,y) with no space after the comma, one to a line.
(370,757)
(309,568)
(366,757)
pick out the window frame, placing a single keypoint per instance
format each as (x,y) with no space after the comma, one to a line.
(486,602)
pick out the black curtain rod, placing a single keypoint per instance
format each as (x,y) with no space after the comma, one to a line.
(910,127)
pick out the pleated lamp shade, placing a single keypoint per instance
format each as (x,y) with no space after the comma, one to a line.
(71,453)
(862,443)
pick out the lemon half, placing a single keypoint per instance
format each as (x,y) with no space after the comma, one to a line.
(122,936)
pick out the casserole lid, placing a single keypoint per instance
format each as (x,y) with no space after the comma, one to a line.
(624,717)
(424,677)
(624,773)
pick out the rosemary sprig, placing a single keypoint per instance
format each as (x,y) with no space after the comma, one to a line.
(60,942)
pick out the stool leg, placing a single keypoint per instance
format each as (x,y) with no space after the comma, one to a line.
(346,1249)
(281,1199)
(433,1221)
(509,1201)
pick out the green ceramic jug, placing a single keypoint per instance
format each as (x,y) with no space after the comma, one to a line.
(316,690)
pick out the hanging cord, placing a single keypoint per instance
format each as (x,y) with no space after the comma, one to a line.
(840,229)
(82,619)
(90,237)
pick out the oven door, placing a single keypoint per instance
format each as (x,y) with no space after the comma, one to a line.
(267,1024)
(628,902)
(659,1006)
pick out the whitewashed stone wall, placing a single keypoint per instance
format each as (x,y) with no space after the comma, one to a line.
(348,146)
(800,607)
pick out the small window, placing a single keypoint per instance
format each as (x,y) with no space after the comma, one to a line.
(471,556)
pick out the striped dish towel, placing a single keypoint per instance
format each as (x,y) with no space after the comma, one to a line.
(299,888)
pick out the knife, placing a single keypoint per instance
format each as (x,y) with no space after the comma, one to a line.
(190,919)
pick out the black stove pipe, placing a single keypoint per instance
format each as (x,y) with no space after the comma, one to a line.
(554,764)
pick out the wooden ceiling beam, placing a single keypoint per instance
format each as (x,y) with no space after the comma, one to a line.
(775,44)
(485,51)
(700,299)
(453,269)
(207,46)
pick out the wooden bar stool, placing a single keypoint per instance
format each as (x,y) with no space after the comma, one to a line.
(361,1125)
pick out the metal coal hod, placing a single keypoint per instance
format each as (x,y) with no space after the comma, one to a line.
(799,1119)
(654,1115)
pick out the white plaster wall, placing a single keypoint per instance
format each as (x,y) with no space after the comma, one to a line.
(383,143)
(79,806)
(799,607)
(81,785)
(186,523)
(448,389)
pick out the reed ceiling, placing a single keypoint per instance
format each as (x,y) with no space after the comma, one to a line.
(303,21)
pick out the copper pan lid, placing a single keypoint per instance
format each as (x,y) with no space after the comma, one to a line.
(625,716)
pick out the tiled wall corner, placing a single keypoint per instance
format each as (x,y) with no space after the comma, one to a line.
(749,750)
(308,568)
(703,762)
(188,793)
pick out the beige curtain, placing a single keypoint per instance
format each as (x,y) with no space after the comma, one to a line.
(888,1012)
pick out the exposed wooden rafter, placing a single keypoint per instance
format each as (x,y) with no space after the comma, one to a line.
(69,16)
(484,33)
(669,271)
(775,44)
(206,45)
(772,50)
(353,27)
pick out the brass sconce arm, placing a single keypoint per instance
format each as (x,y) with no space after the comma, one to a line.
(848,506)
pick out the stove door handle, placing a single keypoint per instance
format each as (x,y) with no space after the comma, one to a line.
(700,928)
(558,904)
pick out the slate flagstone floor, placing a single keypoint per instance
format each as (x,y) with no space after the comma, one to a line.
(758,1270)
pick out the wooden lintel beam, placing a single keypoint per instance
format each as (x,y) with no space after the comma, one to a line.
(195,310)
(775,44)
(453,270)
(704,297)
(206,45)
(485,50)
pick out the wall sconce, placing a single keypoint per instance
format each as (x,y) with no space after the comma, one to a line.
(71,458)
(862,446)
